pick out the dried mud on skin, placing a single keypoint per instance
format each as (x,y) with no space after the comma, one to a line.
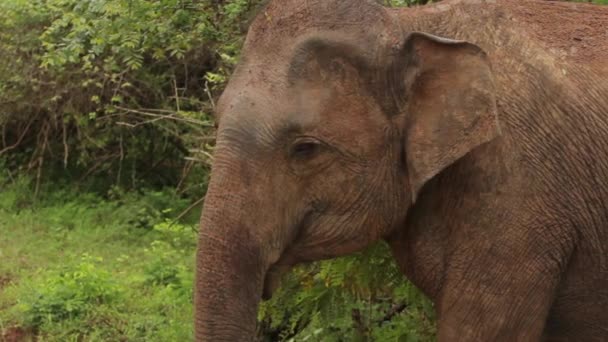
(580,33)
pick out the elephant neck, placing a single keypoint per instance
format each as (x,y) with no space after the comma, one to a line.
(453,207)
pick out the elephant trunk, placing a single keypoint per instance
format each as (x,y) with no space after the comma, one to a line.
(231,265)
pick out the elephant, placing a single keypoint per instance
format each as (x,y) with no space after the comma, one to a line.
(470,135)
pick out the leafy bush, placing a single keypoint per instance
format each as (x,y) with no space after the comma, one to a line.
(16,196)
(146,208)
(69,293)
(163,267)
(93,298)
(359,297)
(115,89)
(182,237)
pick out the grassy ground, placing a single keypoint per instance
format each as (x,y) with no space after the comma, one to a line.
(81,267)
(86,267)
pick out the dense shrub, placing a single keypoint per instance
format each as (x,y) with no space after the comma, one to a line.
(356,298)
(164,267)
(68,293)
(47,289)
(118,90)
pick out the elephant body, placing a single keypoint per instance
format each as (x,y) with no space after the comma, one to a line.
(538,242)
(482,160)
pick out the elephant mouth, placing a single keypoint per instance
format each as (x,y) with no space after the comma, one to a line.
(275,272)
(272,280)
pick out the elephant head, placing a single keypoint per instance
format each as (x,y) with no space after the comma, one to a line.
(332,123)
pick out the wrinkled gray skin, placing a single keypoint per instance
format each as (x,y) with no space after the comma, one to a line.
(483,162)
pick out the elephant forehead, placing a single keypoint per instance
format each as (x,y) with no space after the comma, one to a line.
(265,92)
(278,25)
(252,90)
(257,114)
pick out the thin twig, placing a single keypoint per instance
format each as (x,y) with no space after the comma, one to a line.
(95,166)
(185,212)
(66,150)
(10,175)
(38,175)
(41,159)
(209,95)
(133,174)
(206,162)
(172,116)
(188,166)
(16,144)
(122,157)
(130,125)
(203,152)
(4,136)
(176,94)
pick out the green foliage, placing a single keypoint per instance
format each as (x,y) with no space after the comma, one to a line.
(115,89)
(17,196)
(162,269)
(164,266)
(69,292)
(356,298)
(182,237)
(97,296)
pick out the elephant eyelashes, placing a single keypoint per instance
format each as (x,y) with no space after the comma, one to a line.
(305,149)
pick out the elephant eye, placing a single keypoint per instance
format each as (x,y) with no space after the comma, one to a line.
(305,148)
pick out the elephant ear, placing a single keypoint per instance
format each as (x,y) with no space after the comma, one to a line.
(450,102)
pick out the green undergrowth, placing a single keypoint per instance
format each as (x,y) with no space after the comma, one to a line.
(93,268)
(118,267)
